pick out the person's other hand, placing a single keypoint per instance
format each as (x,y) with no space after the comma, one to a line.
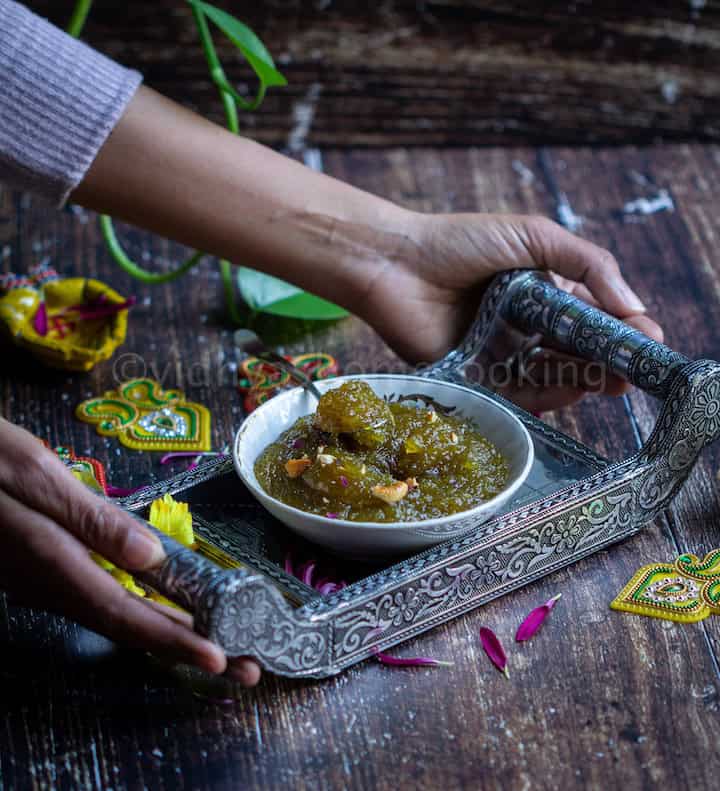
(50,521)
(425,298)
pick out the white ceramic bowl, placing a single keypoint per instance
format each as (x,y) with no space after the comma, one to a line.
(374,539)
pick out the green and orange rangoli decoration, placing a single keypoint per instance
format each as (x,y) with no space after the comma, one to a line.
(89,471)
(259,381)
(143,416)
(687,590)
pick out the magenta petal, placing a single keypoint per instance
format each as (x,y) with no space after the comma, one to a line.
(494,650)
(305,572)
(289,565)
(332,515)
(40,321)
(101,311)
(177,454)
(118,491)
(344,481)
(535,620)
(414,661)
(182,454)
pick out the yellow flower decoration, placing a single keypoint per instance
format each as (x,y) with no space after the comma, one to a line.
(170,517)
(127,582)
(160,599)
(173,518)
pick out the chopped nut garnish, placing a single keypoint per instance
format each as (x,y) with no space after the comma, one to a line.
(412,483)
(431,415)
(454,437)
(325,500)
(325,459)
(363,469)
(392,493)
(296,467)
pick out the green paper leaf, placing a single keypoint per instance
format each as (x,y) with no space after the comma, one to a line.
(246,41)
(306,306)
(267,294)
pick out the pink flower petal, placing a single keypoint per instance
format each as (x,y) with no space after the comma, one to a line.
(332,515)
(535,619)
(414,661)
(118,491)
(177,454)
(494,650)
(100,310)
(40,321)
(305,572)
(324,585)
(344,481)
(188,454)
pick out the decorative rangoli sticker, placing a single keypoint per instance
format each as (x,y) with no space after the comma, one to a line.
(87,470)
(687,590)
(69,323)
(143,416)
(260,381)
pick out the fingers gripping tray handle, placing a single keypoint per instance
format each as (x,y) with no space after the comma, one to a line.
(243,612)
(535,305)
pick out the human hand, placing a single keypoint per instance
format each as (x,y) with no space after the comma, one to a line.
(49,522)
(424,298)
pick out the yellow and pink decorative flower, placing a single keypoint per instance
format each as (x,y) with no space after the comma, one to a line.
(169,516)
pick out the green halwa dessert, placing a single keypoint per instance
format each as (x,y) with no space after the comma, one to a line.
(364,459)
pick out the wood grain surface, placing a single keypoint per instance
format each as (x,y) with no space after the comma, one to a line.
(458,72)
(597,699)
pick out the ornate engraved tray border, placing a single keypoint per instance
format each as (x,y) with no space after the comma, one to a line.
(260,610)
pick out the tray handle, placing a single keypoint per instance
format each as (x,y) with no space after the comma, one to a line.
(533,304)
(241,611)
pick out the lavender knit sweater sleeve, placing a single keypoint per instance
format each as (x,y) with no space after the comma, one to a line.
(59,101)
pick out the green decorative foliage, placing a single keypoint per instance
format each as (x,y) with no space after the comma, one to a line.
(250,46)
(262,293)
(266,294)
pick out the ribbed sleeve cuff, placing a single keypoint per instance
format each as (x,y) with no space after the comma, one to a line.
(59,101)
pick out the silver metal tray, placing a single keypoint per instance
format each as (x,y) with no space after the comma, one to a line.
(574,503)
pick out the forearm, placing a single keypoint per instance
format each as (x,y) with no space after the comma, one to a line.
(169,170)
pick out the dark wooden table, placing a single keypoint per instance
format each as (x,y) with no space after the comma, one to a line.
(598,700)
